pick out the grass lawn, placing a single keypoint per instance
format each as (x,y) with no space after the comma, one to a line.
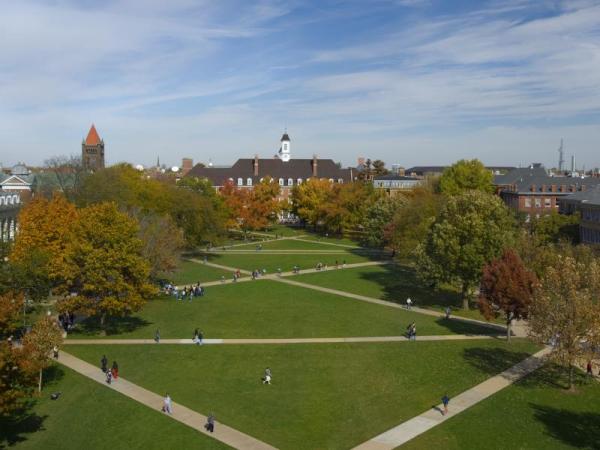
(286,262)
(536,413)
(323,396)
(191,272)
(90,416)
(269,309)
(393,283)
(290,244)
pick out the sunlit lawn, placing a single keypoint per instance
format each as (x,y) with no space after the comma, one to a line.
(192,272)
(535,413)
(290,244)
(270,309)
(87,415)
(323,395)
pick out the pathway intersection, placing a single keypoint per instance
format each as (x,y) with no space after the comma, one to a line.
(387,440)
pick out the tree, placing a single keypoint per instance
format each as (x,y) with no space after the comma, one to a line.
(378,218)
(565,311)
(110,275)
(379,168)
(555,227)
(413,219)
(161,244)
(44,235)
(506,289)
(309,199)
(68,174)
(38,344)
(472,229)
(466,175)
(346,205)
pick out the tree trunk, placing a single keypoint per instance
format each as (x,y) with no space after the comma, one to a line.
(465,296)
(508,329)
(570,376)
(40,382)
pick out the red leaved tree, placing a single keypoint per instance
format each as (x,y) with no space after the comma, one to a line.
(506,289)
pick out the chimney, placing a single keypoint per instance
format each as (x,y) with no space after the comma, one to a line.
(543,188)
(553,188)
(532,188)
(255,165)
(186,165)
(314,166)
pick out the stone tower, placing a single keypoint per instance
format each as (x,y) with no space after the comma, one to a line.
(92,151)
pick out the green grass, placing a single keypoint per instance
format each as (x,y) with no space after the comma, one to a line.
(535,413)
(393,283)
(191,272)
(323,396)
(286,262)
(290,244)
(270,309)
(89,416)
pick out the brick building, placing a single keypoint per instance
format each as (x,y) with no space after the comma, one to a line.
(587,203)
(92,151)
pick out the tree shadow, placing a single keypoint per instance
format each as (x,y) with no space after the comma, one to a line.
(577,429)
(493,360)
(457,326)
(16,427)
(114,325)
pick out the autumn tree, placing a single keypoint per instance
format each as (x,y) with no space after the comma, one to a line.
(162,242)
(346,205)
(506,289)
(472,229)
(309,200)
(466,175)
(565,311)
(38,345)
(110,275)
(45,228)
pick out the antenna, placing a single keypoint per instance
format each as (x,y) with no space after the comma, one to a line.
(561,156)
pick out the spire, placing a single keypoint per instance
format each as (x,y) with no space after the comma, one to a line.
(158,161)
(92,137)
(285,136)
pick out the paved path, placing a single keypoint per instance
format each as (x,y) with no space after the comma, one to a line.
(433,417)
(223,433)
(443,337)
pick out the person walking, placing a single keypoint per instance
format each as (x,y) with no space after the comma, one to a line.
(408,303)
(414,331)
(266,379)
(167,404)
(104,364)
(448,312)
(445,401)
(108,377)
(157,336)
(55,352)
(210,423)
(115,370)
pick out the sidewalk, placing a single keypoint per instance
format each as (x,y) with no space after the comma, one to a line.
(223,433)
(433,417)
(444,337)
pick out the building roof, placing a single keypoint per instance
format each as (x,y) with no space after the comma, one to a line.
(587,197)
(285,137)
(274,168)
(92,138)
(519,175)
(422,170)
(523,180)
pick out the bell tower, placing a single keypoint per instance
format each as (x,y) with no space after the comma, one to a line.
(284,151)
(92,151)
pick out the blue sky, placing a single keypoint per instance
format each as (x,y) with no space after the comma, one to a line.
(407,81)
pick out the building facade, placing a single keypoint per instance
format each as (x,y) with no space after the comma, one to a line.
(10,205)
(282,168)
(587,203)
(393,184)
(92,151)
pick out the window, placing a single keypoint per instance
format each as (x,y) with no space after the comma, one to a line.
(249,182)
(299,181)
(527,202)
(240,181)
(290,181)
(538,202)
(547,202)
(281,182)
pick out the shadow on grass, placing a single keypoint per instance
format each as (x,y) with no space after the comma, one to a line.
(493,360)
(457,326)
(114,325)
(15,427)
(577,429)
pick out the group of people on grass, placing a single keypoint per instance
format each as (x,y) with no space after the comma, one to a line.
(257,273)
(188,292)
(112,374)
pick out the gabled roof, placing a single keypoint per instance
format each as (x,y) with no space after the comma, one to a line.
(587,197)
(92,137)
(24,180)
(285,137)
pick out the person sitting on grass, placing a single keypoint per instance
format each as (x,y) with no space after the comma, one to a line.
(266,379)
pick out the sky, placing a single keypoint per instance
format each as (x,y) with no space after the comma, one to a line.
(411,82)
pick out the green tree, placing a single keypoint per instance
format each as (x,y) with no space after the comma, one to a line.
(472,229)
(110,275)
(466,175)
(162,242)
(378,220)
(566,312)
(506,289)
(555,227)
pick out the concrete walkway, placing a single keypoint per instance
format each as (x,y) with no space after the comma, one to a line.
(433,417)
(443,337)
(223,433)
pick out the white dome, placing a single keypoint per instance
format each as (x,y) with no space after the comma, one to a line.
(139,167)
(174,169)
